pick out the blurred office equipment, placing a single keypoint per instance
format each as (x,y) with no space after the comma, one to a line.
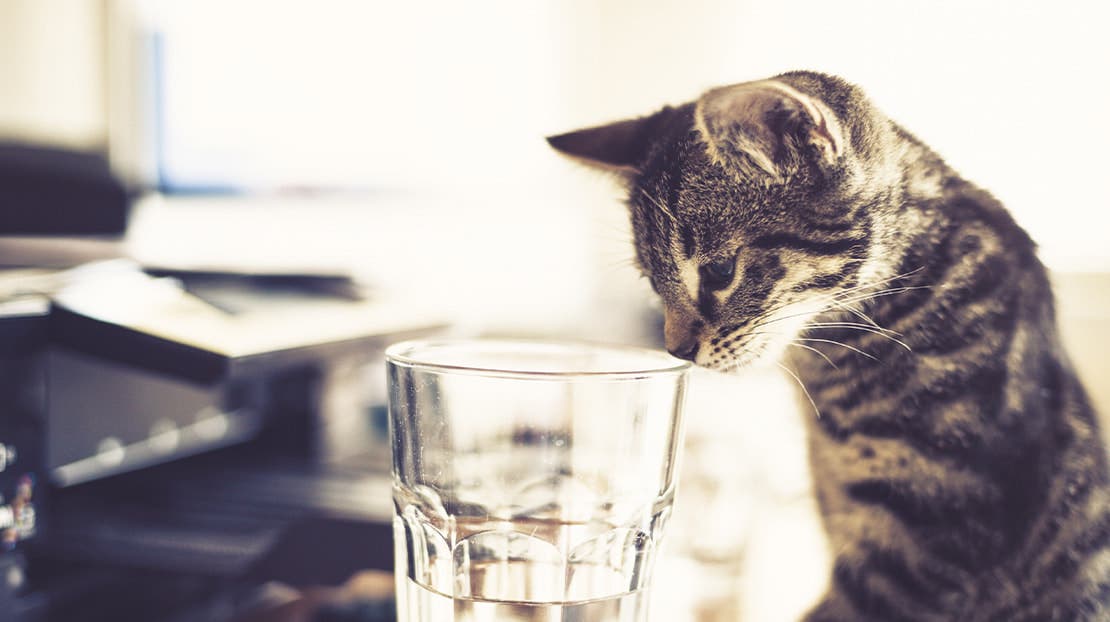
(188,431)
(22,411)
(198,376)
(47,190)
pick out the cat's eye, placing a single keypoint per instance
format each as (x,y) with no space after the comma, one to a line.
(718,274)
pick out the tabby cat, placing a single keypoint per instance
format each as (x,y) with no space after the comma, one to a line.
(957,460)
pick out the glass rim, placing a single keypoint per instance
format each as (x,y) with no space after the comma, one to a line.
(406,353)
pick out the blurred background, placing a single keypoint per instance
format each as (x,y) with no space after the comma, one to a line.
(234,179)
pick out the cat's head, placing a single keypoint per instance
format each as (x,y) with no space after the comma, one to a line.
(752,208)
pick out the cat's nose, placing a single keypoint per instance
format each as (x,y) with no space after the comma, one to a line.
(688,350)
(680,334)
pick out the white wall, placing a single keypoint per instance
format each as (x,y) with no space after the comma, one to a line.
(52,79)
(335,92)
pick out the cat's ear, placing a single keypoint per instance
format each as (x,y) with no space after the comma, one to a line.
(768,129)
(619,147)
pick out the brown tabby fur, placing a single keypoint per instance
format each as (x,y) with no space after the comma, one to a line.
(957,461)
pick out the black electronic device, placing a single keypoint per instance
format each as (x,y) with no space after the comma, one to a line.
(51,191)
(22,408)
(143,371)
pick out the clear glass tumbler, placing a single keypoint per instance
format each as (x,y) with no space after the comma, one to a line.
(531,480)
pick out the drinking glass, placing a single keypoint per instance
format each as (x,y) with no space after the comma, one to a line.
(531,480)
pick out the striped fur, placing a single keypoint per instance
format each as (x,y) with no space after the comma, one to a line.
(957,460)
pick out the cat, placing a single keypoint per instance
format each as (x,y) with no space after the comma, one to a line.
(957,461)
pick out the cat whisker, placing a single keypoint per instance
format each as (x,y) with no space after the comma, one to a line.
(850,292)
(614,236)
(863,328)
(614,239)
(843,300)
(866,327)
(622,262)
(618,267)
(851,325)
(815,351)
(841,303)
(798,380)
(802,345)
(880,282)
(846,304)
(881,293)
(601,223)
(803,386)
(844,345)
(765,322)
(763,319)
(843,297)
(856,312)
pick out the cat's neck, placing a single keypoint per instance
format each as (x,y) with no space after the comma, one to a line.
(949,259)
